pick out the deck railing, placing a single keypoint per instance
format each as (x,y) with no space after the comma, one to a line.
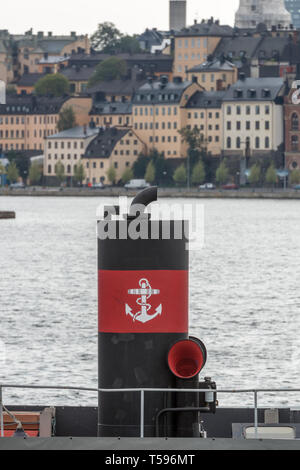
(143,392)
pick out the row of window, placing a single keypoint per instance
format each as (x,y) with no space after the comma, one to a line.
(62,156)
(186,43)
(125,152)
(67,169)
(248,108)
(257,125)
(68,145)
(201,115)
(163,139)
(158,111)
(21,120)
(21,134)
(257,143)
(150,126)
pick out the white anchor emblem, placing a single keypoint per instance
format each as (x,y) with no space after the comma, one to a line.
(145,292)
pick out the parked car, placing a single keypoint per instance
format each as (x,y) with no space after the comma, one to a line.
(137,184)
(297,187)
(97,186)
(230,187)
(19,185)
(207,186)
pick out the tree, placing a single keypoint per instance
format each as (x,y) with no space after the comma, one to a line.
(222,173)
(2,169)
(271,175)
(127,175)
(198,175)
(110,69)
(52,84)
(67,119)
(35,173)
(22,163)
(196,145)
(295,177)
(180,175)
(11,90)
(150,173)
(111,175)
(109,40)
(60,172)
(79,173)
(255,174)
(106,38)
(12,172)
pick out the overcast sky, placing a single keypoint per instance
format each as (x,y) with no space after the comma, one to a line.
(82,16)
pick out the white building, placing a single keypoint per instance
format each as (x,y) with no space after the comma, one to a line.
(269,12)
(253,116)
(67,147)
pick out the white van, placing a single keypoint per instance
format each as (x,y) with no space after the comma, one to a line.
(137,184)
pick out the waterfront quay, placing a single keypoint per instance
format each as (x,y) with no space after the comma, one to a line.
(258,193)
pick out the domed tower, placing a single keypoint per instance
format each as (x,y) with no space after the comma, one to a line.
(247,15)
(269,12)
(274,13)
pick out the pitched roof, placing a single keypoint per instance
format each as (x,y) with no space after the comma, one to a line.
(161,91)
(103,108)
(75,73)
(206,28)
(256,89)
(30,79)
(118,87)
(103,144)
(31,104)
(206,99)
(214,65)
(79,132)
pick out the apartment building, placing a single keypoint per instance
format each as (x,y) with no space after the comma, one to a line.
(158,113)
(67,147)
(204,112)
(214,74)
(252,114)
(26,120)
(113,147)
(193,45)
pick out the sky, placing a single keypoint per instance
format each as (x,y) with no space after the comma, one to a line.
(82,16)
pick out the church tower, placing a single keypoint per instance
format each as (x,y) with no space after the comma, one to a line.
(269,12)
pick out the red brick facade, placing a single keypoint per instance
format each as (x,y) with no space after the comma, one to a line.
(292,132)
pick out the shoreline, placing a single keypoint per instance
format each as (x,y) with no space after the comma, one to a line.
(163,193)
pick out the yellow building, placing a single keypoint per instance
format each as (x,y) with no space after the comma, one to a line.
(111,148)
(204,112)
(158,114)
(193,45)
(214,75)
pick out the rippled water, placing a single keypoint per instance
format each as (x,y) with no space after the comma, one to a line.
(245,297)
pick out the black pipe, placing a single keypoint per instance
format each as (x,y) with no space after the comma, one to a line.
(203,409)
(143,198)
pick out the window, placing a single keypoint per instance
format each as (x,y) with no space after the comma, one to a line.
(228,142)
(238,125)
(257,142)
(248,125)
(49,169)
(228,110)
(257,125)
(267,125)
(295,142)
(257,109)
(267,142)
(229,125)
(295,122)
(238,142)
(238,110)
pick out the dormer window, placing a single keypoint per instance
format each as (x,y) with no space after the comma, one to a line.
(266,93)
(252,93)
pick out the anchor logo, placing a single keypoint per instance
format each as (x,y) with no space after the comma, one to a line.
(145,291)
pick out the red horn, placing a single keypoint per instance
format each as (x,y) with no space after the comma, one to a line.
(187,358)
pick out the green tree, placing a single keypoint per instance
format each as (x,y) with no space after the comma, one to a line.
(11,90)
(127,175)
(67,119)
(22,163)
(198,174)
(271,175)
(222,173)
(60,172)
(35,173)
(106,37)
(255,174)
(12,172)
(110,69)
(111,175)
(109,40)
(79,173)
(52,84)
(180,175)
(150,173)
(295,177)
(2,169)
